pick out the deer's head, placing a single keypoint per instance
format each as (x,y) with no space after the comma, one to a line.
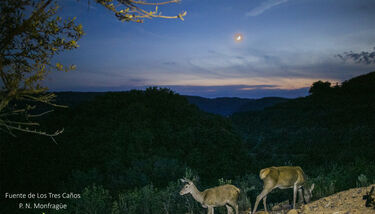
(307,193)
(187,187)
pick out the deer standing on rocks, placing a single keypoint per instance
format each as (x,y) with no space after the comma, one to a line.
(224,195)
(284,177)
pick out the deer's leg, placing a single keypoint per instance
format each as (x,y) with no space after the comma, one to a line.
(294,195)
(264,203)
(234,206)
(260,197)
(210,210)
(300,196)
(229,209)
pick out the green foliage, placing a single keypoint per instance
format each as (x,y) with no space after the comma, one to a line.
(31,35)
(128,140)
(191,175)
(144,200)
(315,130)
(324,185)
(95,199)
(221,181)
(250,186)
(362,181)
(129,201)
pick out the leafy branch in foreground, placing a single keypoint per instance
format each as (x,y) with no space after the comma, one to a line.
(31,34)
(132,10)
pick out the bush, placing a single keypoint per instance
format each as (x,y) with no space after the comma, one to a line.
(95,199)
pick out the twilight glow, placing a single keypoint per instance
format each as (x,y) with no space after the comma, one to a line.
(289,44)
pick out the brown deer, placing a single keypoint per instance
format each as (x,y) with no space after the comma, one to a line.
(224,195)
(284,177)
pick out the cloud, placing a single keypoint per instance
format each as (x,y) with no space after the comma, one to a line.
(268,4)
(359,58)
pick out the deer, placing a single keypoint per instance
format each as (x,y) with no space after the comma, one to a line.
(284,177)
(223,195)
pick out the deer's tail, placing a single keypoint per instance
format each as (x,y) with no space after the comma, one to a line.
(264,172)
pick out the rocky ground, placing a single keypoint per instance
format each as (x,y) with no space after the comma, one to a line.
(346,202)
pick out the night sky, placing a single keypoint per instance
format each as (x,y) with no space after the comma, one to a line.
(286,46)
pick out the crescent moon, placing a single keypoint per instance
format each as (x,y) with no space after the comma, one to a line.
(238,37)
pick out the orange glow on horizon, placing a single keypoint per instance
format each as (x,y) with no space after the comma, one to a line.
(248,83)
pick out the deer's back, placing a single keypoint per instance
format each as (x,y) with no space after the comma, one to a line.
(220,195)
(282,176)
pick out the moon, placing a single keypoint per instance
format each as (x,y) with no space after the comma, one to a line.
(238,37)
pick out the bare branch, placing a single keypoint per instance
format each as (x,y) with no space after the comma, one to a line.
(21,123)
(39,115)
(154,3)
(19,128)
(53,139)
(37,99)
(132,7)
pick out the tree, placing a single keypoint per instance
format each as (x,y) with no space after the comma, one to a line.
(131,10)
(320,87)
(31,35)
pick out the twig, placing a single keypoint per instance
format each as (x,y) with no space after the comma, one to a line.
(41,114)
(154,3)
(22,123)
(34,131)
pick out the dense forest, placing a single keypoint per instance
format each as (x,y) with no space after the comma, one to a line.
(226,106)
(329,133)
(124,151)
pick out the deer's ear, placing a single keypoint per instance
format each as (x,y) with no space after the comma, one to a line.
(182,180)
(312,187)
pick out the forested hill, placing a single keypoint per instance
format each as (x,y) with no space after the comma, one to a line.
(72,99)
(224,106)
(333,124)
(124,140)
(136,145)
(228,105)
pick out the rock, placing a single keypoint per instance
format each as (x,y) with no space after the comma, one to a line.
(370,198)
(281,206)
(293,211)
(261,212)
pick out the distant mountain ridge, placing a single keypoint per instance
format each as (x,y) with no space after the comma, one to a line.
(228,105)
(224,106)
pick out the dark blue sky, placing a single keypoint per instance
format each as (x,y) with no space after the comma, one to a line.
(287,45)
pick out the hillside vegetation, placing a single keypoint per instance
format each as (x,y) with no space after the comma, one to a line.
(124,151)
(329,133)
(228,105)
(121,141)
